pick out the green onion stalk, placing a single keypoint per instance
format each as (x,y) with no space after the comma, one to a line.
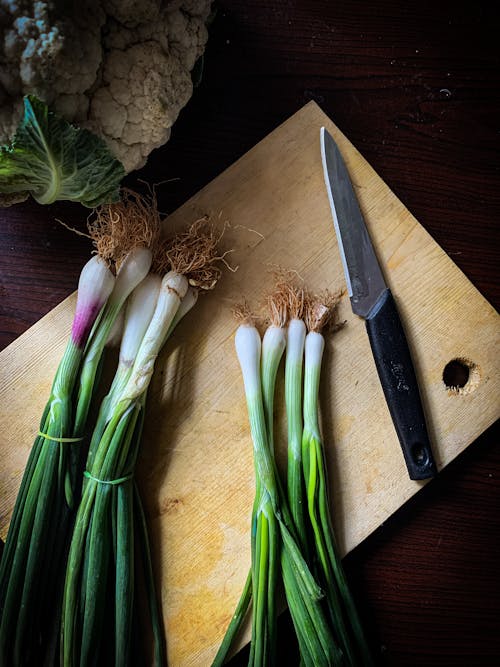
(272,527)
(264,529)
(296,333)
(100,600)
(260,585)
(344,618)
(265,532)
(35,547)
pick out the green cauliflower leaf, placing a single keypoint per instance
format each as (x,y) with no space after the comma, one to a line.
(53,160)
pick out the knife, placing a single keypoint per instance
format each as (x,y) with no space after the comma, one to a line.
(372,300)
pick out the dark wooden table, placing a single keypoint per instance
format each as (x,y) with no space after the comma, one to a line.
(416,88)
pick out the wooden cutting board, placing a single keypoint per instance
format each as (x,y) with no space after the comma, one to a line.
(196,470)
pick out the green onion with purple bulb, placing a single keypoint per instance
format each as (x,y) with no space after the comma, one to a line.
(100,592)
(36,540)
(32,566)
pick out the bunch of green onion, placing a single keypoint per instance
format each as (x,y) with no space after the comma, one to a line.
(292,538)
(36,544)
(109,551)
(78,540)
(99,593)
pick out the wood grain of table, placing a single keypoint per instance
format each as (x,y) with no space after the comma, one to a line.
(416,88)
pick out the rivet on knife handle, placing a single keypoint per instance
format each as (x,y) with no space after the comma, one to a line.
(372,300)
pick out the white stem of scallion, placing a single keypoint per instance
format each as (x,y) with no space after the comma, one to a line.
(294,363)
(314,347)
(273,346)
(173,289)
(248,349)
(138,314)
(132,271)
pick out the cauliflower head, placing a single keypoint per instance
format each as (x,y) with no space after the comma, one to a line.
(119,68)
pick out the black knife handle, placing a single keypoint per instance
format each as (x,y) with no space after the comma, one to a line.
(399,382)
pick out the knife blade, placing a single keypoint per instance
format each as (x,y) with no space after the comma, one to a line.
(372,300)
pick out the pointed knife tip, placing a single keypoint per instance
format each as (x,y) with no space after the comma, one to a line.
(325,136)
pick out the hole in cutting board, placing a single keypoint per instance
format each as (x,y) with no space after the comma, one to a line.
(461,376)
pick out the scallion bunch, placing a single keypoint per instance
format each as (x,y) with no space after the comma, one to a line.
(33,562)
(109,548)
(37,537)
(66,478)
(276,553)
(326,623)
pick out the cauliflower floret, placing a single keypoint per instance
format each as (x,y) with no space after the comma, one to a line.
(121,69)
(50,56)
